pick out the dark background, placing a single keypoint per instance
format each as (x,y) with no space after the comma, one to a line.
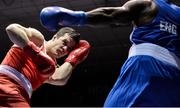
(92,80)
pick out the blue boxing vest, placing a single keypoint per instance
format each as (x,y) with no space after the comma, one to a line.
(164,30)
(151,74)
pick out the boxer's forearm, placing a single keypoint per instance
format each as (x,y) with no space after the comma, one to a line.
(61,75)
(105,16)
(63,71)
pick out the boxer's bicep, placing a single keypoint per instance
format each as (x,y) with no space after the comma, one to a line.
(17,35)
(20,35)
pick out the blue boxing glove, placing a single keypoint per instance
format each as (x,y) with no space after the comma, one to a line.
(53,17)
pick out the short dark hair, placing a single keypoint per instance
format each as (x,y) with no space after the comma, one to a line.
(73,33)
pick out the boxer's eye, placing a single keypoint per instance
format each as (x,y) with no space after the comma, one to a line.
(69,49)
(65,42)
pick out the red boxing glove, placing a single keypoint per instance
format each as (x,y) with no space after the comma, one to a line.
(45,64)
(79,53)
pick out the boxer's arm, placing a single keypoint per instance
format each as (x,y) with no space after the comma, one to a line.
(29,39)
(53,17)
(61,75)
(123,15)
(20,35)
(76,56)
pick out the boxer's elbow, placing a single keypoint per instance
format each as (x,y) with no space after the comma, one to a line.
(11,27)
(12,31)
(57,82)
(60,80)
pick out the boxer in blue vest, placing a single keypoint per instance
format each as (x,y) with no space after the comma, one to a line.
(151,74)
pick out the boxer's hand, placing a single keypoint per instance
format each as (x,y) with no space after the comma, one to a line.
(53,17)
(45,64)
(79,53)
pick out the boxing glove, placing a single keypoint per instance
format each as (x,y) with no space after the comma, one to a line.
(53,17)
(44,63)
(80,52)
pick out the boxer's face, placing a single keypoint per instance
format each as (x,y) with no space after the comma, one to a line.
(61,46)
